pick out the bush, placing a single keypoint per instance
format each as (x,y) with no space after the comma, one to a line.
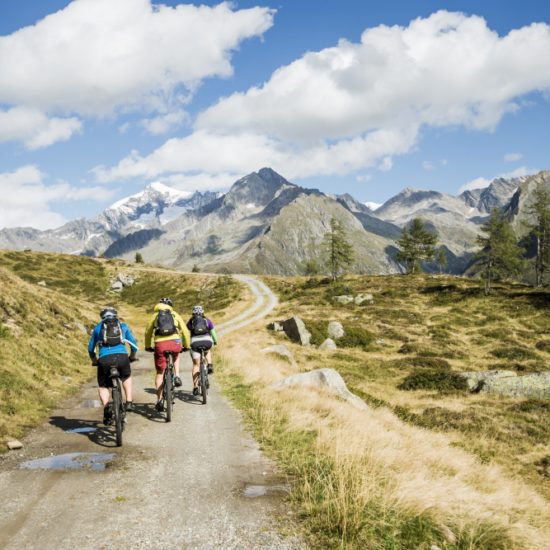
(318,330)
(434,380)
(4,331)
(513,353)
(355,337)
(543,345)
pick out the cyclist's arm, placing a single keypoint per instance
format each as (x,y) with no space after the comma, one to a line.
(149,332)
(214,335)
(93,342)
(130,339)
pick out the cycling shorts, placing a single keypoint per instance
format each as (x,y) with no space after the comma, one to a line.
(173,346)
(205,341)
(119,360)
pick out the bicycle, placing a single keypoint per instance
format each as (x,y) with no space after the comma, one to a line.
(204,383)
(119,411)
(168,385)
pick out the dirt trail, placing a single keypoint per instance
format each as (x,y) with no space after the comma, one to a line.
(198,482)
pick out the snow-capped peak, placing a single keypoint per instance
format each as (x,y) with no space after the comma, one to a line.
(372,205)
(166,190)
(169,194)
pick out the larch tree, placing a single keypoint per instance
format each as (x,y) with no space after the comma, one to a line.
(540,230)
(338,251)
(500,255)
(416,244)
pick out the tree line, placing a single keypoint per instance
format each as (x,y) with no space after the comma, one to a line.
(500,254)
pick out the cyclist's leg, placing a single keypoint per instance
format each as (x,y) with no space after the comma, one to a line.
(196,369)
(209,361)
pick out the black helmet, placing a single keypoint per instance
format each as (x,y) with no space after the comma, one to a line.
(166,301)
(107,312)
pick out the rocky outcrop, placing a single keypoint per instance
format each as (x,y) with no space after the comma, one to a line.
(335,330)
(344,299)
(328,344)
(296,330)
(476,380)
(535,385)
(283,351)
(327,379)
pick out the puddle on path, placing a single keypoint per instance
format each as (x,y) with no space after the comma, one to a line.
(70,461)
(83,430)
(254,491)
(90,404)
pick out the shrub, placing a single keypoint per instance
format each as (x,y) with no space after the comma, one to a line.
(355,337)
(434,380)
(4,331)
(543,345)
(513,353)
(318,330)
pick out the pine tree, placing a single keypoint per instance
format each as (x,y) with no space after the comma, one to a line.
(441,259)
(500,254)
(416,244)
(139,258)
(540,230)
(338,251)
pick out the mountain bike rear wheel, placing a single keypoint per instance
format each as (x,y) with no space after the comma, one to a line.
(203,382)
(168,394)
(117,411)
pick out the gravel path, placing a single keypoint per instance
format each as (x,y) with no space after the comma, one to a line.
(197,482)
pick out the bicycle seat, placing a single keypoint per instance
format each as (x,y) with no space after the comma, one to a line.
(113,373)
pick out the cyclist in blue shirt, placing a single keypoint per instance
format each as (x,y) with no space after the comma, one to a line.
(110,336)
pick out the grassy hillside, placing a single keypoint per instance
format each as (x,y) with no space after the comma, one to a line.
(48,305)
(428,462)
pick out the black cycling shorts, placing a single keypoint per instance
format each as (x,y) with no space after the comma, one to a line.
(119,360)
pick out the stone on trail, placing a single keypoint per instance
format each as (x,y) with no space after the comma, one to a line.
(328,344)
(335,330)
(279,349)
(13,445)
(323,378)
(296,330)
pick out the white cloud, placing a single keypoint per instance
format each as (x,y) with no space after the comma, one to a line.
(356,105)
(428,165)
(512,157)
(26,198)
(34,128)
(99,57)
(164,123)
(481,183)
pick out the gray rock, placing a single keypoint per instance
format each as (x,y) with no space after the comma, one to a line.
(126,280)
(296,330)
(326,379)
(476,380)
(280,349)
(328,344)
(81,328)
(380,342)
(277,327)
(362,298)
(535,385)
(117,286)
(41,283)
(335,330)
(344,299)
(14,445)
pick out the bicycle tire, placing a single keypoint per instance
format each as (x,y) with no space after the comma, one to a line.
(168,393)
(117,411)
(204,388)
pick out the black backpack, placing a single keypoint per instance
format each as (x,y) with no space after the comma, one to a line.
(111,332)
(199,325)
(165,325)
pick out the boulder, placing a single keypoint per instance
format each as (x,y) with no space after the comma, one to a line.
(117,286)
(476,380)
(535,386)
(41,283)
(126,280)
(329,344)
(335,330)
(296,330)
(277,327)
(14,445)
(344,299)
(281,350)
(362,298)
(326,379)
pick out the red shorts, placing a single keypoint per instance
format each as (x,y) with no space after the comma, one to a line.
(174,346)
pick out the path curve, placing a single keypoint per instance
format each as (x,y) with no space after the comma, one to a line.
(178,485)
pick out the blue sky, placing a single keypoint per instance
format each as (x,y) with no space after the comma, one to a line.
(99,98)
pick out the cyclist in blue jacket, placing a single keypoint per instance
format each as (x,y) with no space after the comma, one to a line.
(110,336)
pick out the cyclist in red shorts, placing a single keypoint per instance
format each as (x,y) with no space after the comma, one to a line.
(169,333)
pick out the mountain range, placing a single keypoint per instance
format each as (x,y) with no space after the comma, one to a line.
(266,224)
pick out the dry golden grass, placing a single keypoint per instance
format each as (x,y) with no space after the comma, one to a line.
(368,475)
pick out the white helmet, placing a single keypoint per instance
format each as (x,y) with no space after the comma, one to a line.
(198,310)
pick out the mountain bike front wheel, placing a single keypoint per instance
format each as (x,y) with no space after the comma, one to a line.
(117,411)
